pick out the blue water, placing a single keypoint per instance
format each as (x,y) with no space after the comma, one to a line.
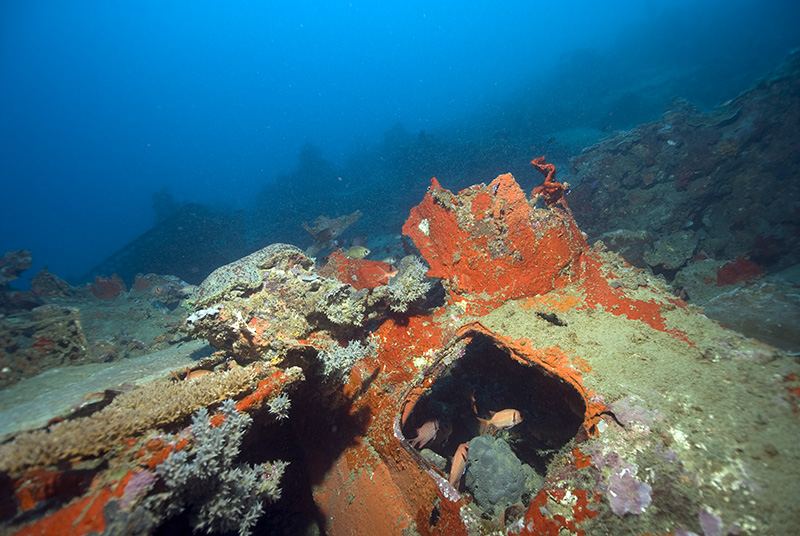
(104,104)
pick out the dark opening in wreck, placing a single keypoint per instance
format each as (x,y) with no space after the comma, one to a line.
(468,395)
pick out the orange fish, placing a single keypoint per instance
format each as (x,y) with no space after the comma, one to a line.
(502,419)
(445,429)
(459,464)
(191,374)
(425,433)
(387,274)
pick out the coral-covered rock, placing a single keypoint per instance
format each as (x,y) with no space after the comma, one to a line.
(726,174)
(671,251)
(741,269)
(243,277)
(495,476)
(408,285)
(47,337)
(743,307)
(627,494)
(490,239)
(166,290)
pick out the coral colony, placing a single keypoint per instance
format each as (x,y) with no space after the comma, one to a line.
(220,496)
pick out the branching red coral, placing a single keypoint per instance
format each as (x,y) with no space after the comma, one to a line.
(551,191)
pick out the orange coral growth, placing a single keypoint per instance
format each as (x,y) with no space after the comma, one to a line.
(598,291)
(387,492)
(216,420)
(554,301)
(158,457)
(41,484)
(488,239)
(358,273)
(404,339)
(81,517)
(581,460)
(738,270)
(259,333)
(380,507)
(551,191)
(539,524)
(159,453)
(480,205)
(154,444)
(107,288)
(581,364)
(264,390)
(542,524)
(479,307)
(140,282)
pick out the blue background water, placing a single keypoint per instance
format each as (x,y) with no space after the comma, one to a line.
(104,104)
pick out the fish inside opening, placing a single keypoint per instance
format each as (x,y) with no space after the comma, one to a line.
(486,392)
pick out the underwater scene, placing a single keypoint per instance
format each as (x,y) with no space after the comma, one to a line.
(420,268)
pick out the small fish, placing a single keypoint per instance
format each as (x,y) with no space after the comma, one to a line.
(459,464)
(357,252)
(191,374)
(387,275)
(425,433)
(502,419)
(442,436)
(187,290)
